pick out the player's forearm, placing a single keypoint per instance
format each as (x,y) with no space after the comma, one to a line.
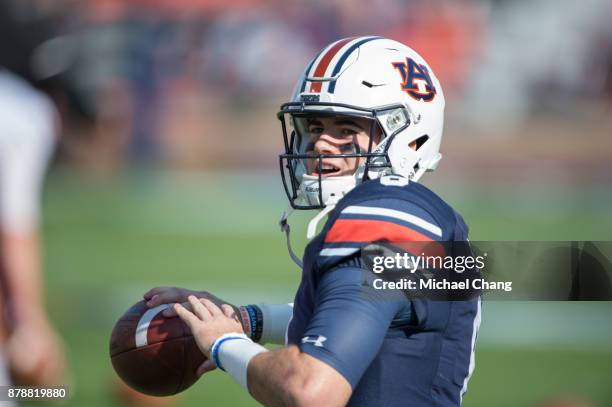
(283,378)
(22,266)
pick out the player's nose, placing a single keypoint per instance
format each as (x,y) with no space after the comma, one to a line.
(326,144)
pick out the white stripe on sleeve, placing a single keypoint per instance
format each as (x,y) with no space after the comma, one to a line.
(339,251)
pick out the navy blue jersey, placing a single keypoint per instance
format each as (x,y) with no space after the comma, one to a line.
(394,351)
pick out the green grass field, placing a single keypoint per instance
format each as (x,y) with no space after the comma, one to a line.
(107,242)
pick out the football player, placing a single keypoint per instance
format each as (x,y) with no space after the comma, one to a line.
(28,339)
(364,124)
(30,76)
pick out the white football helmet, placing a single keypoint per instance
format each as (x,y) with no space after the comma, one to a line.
(368,77)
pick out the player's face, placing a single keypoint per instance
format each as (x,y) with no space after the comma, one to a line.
(339,135)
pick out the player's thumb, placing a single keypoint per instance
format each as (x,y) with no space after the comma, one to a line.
(207,366)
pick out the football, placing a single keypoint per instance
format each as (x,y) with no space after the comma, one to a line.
(153,354)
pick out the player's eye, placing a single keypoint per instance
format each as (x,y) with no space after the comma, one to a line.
(310,146)
(349,148)
(315,129)
(347,131)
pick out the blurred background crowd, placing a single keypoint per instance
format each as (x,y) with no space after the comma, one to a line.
(196,83)
(166,164)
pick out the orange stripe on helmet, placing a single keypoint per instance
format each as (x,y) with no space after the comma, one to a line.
(324,63)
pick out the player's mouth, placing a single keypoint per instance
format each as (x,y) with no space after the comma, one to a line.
(327,170)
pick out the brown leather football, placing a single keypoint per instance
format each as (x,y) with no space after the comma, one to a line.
(153,354)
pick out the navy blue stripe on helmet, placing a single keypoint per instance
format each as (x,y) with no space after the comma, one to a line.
(338,67)
(306,73)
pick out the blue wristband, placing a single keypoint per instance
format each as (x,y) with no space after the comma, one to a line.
(214,352)
(256,322)
(252,318)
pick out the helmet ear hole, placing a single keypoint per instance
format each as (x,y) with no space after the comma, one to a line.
(421,140)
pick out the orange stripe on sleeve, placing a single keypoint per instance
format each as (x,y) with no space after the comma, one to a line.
(366,230)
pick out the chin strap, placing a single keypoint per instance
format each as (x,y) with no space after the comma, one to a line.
(312,225)
(311,231)
(284,225)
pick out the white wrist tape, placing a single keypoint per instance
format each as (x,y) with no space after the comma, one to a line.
(232,352)
(276,317)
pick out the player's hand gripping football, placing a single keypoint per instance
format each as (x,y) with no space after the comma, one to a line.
(208,322)
(167,295)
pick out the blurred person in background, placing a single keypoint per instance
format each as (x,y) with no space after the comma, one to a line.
(32,351)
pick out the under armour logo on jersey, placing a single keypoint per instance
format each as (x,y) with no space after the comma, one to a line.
(318,341)
(416,80)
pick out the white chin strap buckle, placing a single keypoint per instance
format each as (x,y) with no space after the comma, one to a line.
(325,191)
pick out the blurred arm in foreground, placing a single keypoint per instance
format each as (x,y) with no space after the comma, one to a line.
(29,121)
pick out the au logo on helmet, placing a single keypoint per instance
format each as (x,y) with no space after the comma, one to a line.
(413,73)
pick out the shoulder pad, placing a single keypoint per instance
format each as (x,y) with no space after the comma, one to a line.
(375,212)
